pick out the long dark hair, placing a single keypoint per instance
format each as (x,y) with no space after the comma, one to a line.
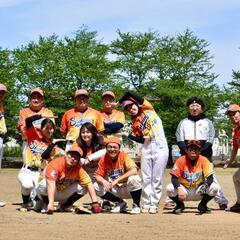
(96,139)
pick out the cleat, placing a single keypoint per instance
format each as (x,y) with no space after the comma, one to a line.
(179,208)
(120,208)
(135,209)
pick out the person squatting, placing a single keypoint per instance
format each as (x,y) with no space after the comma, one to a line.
(90,159)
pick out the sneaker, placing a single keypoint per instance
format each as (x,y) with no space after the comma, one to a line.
(235,207)
(120,208)
(203,209)
(135,209)
(153,210)
(145,210)
(2,204)
(168,206)
(106,206)
(179,208)
(223,206)
(24,208)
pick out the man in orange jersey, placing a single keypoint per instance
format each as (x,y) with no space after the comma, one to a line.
(192,179)
(36,107)
(3,128)
(74,118)
(117,178)
(66,182)
(113,119)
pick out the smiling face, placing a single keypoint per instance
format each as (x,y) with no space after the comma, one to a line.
(107,102)
(48,130)
(195,109)
(81,102)
(36,101)
(132,109)
(72,159)
(234,117)
(113,150)
(86,135)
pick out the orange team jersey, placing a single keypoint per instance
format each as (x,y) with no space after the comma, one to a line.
(3,128)
(73,120)
(36,147)
(56,171)
(113,170)
(192,176)
(236,138)
(148,123)
(115,116)
(27,112)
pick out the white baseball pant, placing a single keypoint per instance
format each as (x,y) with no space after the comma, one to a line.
(153,163)
(192,194)
(122,191)
(61,196)
(28,180)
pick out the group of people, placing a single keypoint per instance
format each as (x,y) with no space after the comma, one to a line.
(89,158)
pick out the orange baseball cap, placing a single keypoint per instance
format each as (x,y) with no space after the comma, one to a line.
(233,108)
(3,87)
(76,149)
(112,140)
(196,143)
(108,93)
(81,92)
(37,90)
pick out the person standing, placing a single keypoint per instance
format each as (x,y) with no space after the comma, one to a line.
(233,113)
(3,128)
(74,118)
(147,129)
(36,107)
(198,126)
(113,119)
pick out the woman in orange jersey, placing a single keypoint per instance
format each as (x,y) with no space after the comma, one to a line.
(147,129)
(39,147)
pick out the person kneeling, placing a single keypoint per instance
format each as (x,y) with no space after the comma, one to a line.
(117,178)
(66,182)
(192,179)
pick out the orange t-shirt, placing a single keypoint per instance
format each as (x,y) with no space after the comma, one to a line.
(3,128)
(27,112)
(192,176)
(56,171)
(73,120)
(115,116)
(113,170)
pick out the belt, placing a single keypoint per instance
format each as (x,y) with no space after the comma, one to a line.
(32,168)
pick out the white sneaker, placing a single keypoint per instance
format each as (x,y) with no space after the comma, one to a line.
(135,209)
(2,204)
(44,208)
(120,208)
(153,210)
(144,210)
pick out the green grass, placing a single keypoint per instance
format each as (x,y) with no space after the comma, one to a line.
(12,152)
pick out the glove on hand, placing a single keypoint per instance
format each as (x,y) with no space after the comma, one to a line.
(96,208)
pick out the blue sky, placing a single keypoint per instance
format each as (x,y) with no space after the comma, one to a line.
(215,21)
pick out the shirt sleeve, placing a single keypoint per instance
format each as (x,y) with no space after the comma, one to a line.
(176,170)
(207,168)
(99,122)
(130,164)
(101,171)
(84,177)
(51,173)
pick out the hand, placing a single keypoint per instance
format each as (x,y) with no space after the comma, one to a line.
(114,104)
(181,194)
(84,161)
(107,186)
(226,164)
(115,182)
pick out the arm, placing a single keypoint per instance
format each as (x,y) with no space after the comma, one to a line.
(92,192)
(30,120)
(107,185)
(232,158)
(129,173)
(176,184)
(132,137)
(51,189)
(129,95)
(112,127)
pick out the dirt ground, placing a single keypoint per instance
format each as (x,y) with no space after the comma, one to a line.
(164,225)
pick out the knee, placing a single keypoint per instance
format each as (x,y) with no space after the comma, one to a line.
(213,189)
(42,188)
(134,183)
(99,189)
(171,191)
(81,190)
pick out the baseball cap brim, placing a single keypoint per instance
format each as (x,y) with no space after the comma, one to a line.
(108,93)
(81,92)
(37,90)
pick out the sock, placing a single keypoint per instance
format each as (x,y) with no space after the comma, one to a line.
(110,197)
(136,195)
(72,199)
(26,199)
(45,199)
(206,198)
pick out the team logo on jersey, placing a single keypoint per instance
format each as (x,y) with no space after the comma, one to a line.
(79,122)
(53,174)
(192,177)
(36,148)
